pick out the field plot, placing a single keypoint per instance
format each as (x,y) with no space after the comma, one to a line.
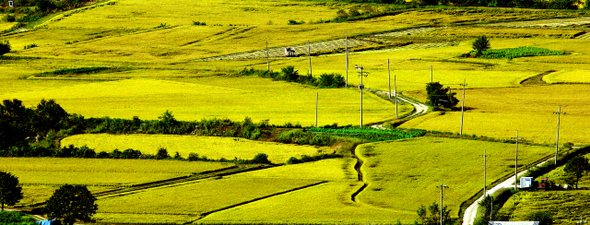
(211,147)
(41,176)
(566,206)
(526,109)
(404,174)
(558,176)
(571,76)
(217,97)
(189,201)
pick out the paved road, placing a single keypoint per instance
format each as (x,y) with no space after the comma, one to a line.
(471,211)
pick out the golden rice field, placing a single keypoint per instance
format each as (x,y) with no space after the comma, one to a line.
(566,206)
(402,175)
(40,177)
(568,76)
(211,147)
(213,97)
(500,112)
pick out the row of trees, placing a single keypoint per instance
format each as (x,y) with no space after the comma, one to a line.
(68,203)
(47,5)
(289,74)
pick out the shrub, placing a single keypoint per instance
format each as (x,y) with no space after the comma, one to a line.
(193,156)
(293,22)
(9,18)
(261,158)
(162,154)
(197,23)
(4,47)
(544,217)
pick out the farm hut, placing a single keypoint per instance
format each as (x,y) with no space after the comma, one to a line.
(513,223)
(526,182)
(289,52)
(11,3)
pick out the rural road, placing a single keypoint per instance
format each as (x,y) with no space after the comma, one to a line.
(419,108)
(471,211)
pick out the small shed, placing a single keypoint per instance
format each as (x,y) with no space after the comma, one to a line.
(513,223)
(11,3)
(526,182)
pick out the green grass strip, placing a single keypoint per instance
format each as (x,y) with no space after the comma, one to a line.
(511,53)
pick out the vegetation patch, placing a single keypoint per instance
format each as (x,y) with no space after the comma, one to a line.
(370,134)
(15,218)
(511,53)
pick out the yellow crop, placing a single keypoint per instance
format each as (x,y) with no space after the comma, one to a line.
(211,147)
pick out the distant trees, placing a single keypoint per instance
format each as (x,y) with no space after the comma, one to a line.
(4,47)
(70,203)
(10,191)
(575,168)
(481,44)
(326,80)
(438,95)
(431,215)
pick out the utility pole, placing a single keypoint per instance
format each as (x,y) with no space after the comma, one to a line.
(389,79)
(395,90)
(346,44)
(582,221)
(462,107)
(516,161)
(267,62)
(431,76)
(361,87)
(316,109)
(484,172)
(309,54)
(441,199)
(559,112)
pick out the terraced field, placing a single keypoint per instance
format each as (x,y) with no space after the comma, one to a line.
(211,147)
(165,61)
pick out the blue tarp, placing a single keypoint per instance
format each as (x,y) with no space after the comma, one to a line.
(47,222)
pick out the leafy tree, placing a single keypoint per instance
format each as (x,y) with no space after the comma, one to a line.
(4,47)
(14,123)
(437,95)
(70,203)
(544,217)
(45,5)
(10,192)
(50,115)
(486,205)
(481,44)
(431,216)
(576,167)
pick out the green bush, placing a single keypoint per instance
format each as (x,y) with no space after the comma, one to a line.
(9,18)
(261,158)
(293,22)
(15,218)
(193,156)
(162,154)
(4,47)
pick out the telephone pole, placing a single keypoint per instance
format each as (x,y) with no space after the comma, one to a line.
(484,172)
(309,54)
(361,87)
(559,112)
(316,109)
(441,186)
(389,79)
(346,44)
(395,90)
(516,161)
(462,107)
